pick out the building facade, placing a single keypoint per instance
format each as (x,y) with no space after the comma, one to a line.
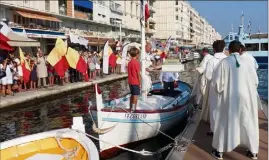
(94,20)
(179,20)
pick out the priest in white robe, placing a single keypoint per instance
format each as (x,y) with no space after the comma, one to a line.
(235,83)
(245,54)
(198,89)
(218,47)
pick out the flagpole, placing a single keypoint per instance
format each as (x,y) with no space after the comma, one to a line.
(143,44)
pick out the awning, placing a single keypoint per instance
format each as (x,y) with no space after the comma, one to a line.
(84,3)
(38,16)
(21,41)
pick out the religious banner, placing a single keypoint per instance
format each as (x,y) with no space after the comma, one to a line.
(124,56)
(106,57)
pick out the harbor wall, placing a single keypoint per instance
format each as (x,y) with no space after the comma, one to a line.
(35,97)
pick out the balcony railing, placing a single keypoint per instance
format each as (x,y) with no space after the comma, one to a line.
(151,8)
(115,7)
(83,15)
(152,20)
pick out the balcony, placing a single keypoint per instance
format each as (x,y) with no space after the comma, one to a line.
(150,31)
(115,7)
(83,15)
(152,20)
(151,8)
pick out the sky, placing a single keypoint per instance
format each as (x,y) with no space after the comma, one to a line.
(223,14)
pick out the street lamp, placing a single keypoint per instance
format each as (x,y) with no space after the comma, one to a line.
(120,22)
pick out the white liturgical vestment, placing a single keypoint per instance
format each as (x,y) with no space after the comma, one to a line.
(235,83)
(198,89)
(211,65)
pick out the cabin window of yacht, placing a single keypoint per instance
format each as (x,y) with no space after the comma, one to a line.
(264,46)
(252,46)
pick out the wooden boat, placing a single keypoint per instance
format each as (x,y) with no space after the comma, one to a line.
(116,125)
(52,145)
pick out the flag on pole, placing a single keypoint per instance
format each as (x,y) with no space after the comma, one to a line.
(26,71)
(249,24)
(168,44)
(76,61)
(57,57)
(4,30)
(147,13)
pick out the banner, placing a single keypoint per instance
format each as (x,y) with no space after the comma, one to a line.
(123,59)
(105,58)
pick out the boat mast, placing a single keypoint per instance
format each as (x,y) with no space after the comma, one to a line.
(143,44)
(241,27)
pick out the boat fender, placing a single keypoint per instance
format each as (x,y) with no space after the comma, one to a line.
(78,124)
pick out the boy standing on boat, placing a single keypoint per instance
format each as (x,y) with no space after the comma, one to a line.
(134,77)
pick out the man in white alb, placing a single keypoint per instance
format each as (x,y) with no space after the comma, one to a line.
(245,54)
(235,83)
(218,47)
(198,89)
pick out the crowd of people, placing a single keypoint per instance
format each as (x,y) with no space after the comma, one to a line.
(44,75)
(226,91)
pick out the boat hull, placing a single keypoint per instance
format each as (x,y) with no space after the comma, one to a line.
(131,128)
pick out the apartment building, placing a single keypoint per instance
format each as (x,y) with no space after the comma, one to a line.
(97,20)
(179,20)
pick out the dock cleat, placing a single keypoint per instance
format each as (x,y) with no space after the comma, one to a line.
(216,154)
(252,155)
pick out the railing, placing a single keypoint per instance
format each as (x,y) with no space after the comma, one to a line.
(82,15)
(151,8)
(151,20)
(115,7)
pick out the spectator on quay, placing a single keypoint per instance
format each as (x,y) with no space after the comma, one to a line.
(7,81)
(98,64)
(15,86)
(91,64)
(51,75)
(20,75)
(112,62)
(118,62)
(33,75)
(42,72)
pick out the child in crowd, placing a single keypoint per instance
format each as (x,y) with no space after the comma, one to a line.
(91,65)
(98,64)
(15,86)
(134,77)
(118,67)
(33,75)
(51,75)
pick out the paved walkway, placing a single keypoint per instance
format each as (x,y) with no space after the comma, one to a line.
(202,146)
(51,92)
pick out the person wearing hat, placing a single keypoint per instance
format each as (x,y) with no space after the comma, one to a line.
(6,82)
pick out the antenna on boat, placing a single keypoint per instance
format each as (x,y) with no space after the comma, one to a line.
(143,44)
(242,19)
(232,26)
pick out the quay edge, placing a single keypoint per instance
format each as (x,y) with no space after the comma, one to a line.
(35,97)
(200,149)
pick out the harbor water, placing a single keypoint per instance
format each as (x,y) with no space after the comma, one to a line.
(58,113)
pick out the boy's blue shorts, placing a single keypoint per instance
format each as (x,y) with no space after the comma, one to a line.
(135,90)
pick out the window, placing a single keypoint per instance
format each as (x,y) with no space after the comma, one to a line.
(136,10)
(176,2)
(252,46)
(25,1)
(264,46)
(47,5)
(176,9)
(176,17)
(131,9)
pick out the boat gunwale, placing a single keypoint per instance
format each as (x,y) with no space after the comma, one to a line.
(119,110)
